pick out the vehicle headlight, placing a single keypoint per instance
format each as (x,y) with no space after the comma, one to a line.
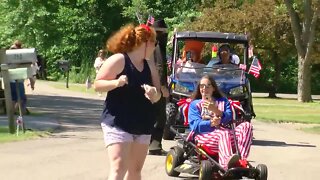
(237,90)
(180,88)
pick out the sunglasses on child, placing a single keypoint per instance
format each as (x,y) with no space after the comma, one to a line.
(205,86)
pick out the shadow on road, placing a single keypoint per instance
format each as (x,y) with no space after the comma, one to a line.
(279,143)
(73,113)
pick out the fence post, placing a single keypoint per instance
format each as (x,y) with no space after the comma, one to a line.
(7,94)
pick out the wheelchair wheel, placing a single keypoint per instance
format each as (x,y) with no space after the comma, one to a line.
(174,159)
(205,172)
(263,174)
(171,111)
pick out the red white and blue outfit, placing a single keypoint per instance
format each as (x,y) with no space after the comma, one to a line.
(219,139)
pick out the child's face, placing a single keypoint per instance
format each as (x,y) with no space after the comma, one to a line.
(206,88)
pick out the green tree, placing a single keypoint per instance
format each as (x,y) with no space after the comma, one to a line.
(266,23)
(304,16)
(72,30)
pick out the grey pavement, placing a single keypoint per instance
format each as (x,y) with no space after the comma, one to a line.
(35,122)
(76,150)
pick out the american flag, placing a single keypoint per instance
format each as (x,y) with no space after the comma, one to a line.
(255,67)
(150,20)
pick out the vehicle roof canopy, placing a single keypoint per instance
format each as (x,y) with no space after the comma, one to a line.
(213,37)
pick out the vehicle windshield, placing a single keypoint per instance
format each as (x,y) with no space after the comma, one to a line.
(226,76)
(193,59)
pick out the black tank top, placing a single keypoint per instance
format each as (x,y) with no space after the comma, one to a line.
(127,105)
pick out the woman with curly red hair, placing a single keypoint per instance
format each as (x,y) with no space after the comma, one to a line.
(133,85)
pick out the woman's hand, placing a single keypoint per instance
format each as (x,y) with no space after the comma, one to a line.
(211,106)
(122,80)
(215,121)
(151,93)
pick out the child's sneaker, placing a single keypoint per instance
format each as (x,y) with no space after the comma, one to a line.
(234,159)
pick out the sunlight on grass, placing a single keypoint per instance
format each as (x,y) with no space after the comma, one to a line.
(5,136)
(287,110)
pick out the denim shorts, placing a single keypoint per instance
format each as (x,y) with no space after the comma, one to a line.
(113,135)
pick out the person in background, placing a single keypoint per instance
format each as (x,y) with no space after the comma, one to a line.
(16,45)
(100,59)
(155,147)
(225,56)
(19,85)
(191,57)
(133,86)
(209,112)
(34,70)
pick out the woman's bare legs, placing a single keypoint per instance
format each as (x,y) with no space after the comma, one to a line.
(137,155)
(119,155)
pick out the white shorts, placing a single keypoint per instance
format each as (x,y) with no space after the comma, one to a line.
(113,134)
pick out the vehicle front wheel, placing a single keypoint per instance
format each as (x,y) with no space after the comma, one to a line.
(263,172)
(174,159)
(205,172)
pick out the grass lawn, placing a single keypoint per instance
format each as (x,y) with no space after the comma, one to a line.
(5,136)
(288,110)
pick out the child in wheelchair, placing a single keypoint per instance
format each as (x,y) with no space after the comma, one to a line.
(209,114)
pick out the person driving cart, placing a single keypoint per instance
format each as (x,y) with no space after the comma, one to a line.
(209,112)
(225,56)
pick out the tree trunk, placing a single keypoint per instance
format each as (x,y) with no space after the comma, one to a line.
(304,80)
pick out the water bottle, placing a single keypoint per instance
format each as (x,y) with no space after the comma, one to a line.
(205,111)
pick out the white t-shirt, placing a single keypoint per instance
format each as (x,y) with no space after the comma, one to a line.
(234,60)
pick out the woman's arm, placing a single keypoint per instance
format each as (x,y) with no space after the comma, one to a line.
(106,77)
(196,122)
(227,113)
(155,79)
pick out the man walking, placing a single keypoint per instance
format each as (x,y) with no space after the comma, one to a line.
(155,147)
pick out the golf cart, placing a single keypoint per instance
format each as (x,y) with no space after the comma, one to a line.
(231,78)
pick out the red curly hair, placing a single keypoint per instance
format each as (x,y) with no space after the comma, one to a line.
(130,37)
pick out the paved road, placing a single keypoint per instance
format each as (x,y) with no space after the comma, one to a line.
(76,150)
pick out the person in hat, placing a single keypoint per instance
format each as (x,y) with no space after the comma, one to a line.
(155,147)
(225,56)
(191,57)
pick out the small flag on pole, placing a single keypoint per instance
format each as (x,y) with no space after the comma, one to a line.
(255,67)
(150,20)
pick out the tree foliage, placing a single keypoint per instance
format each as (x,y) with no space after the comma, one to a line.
(304,17)
(71,30)
(76,29)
